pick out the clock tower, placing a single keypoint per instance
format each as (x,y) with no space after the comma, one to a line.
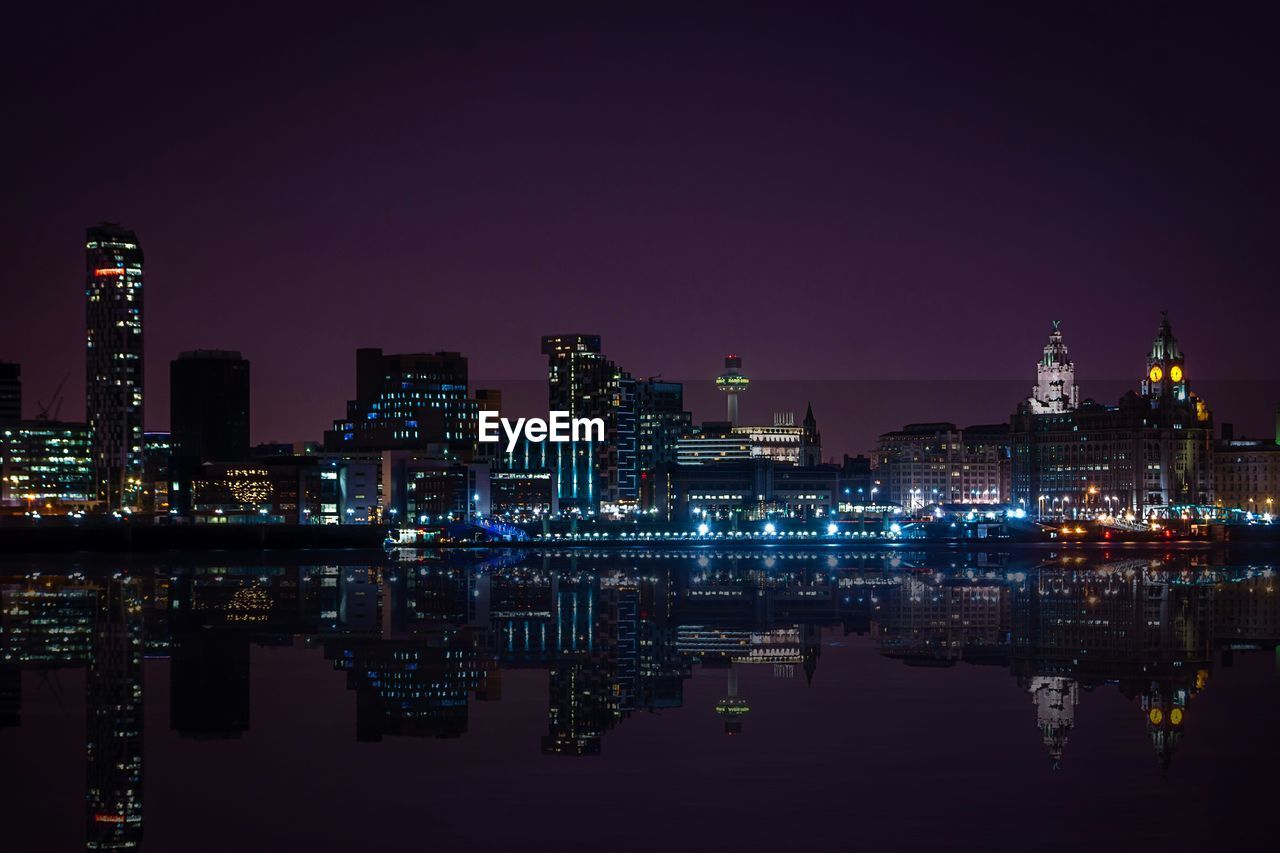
(1166,373)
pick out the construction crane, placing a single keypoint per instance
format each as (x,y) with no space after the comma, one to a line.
(55,402)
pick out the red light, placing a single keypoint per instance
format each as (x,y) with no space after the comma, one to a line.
(108,271)
(108,818)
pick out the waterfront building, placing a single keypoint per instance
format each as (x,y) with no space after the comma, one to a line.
(418,488)
(582,382)
(208,416)
(413,401)
(662,420)
(623,470)
(1246,472)
(783,442)
(281,490)
(114,374)
(714,443)
(523,495)
(10,392)
(747,489)
(1151,452)
(157,450)
(46,465)
(937,463)
(209,406)
(1055,390)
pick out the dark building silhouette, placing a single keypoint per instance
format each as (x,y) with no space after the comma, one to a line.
(10,392)
(208,415)
(114,374)
(209,406)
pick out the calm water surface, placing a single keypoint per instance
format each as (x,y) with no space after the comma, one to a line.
(755,700)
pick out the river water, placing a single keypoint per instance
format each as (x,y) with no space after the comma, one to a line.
(636,700)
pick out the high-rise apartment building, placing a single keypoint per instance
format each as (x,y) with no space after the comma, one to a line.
(114,374)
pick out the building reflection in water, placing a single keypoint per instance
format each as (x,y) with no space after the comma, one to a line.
(618,633)
(114,715)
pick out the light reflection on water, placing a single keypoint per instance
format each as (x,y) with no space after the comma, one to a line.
(567,648)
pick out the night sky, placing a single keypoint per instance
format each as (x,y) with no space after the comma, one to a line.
(899,191)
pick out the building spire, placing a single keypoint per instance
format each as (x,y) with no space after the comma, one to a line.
(1055,389)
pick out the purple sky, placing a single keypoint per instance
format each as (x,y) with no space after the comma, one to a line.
(911,191)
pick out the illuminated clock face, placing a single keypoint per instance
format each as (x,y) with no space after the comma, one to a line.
(1156,716)
(1175,373)
(1156,374)
(1175,716)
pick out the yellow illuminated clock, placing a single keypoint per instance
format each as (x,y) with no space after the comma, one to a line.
(1175,716)
(1156,716)
(1156,373)
(1175,373)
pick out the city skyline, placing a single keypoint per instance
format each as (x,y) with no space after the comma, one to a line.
(788,396)
(962,185)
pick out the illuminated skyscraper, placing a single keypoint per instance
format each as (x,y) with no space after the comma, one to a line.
(114,362)
(582,382)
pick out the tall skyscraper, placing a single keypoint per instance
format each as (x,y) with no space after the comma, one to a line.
(10,392)
(114,362)
(582,382)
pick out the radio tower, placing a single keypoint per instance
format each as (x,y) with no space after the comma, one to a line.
(732,382)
